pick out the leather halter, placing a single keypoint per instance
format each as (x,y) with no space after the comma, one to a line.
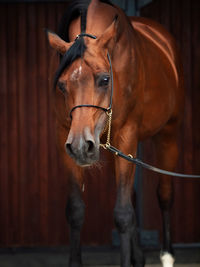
(113,149)
(111,76)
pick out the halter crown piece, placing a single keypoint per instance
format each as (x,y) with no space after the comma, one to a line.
(107,145)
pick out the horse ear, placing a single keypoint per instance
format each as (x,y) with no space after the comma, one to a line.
(57,43)
(111,35)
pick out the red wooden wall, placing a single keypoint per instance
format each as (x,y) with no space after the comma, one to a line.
(182,19)
(32,187)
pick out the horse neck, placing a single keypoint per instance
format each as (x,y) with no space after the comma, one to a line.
(99,17)
(126,55)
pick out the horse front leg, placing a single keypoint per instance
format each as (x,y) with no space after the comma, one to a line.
(167,154)
(75,210)
(124,216)
(124,212)
(75,207)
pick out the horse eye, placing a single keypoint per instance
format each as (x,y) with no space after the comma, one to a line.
(104,81)
(61,86)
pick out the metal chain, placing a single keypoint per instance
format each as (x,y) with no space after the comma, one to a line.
(108,126)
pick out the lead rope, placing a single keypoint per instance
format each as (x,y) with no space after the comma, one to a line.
(130,158)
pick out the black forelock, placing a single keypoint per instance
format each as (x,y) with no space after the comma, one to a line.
(74,52)
(75,9)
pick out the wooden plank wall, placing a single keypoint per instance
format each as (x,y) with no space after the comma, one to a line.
(32,186)
(182,19)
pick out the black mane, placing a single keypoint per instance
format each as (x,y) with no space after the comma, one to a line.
(75,9)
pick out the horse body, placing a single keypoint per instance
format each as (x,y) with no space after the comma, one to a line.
(147,102)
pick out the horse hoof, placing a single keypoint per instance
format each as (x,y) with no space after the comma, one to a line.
(75,264)
(138,263)
(167,259)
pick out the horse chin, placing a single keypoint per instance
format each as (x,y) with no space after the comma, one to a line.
(86,162)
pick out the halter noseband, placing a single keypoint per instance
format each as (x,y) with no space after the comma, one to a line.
(107,110)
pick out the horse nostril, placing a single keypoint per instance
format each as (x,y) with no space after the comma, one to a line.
(69,149)
(90,148)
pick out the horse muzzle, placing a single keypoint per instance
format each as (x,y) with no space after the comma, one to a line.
(83,148)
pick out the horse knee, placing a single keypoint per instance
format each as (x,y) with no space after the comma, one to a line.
(124,218)
(165,195)
(75,211)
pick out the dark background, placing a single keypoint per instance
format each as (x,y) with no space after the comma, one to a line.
(32,187)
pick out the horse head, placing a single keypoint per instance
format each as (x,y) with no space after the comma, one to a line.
(84,78)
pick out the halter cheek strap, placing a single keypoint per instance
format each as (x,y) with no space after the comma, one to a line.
(108,109)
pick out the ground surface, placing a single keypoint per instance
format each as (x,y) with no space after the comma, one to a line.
(109,257)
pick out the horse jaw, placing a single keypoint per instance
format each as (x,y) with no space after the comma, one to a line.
(167,259)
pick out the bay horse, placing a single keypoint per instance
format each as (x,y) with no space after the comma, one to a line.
(104,52)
